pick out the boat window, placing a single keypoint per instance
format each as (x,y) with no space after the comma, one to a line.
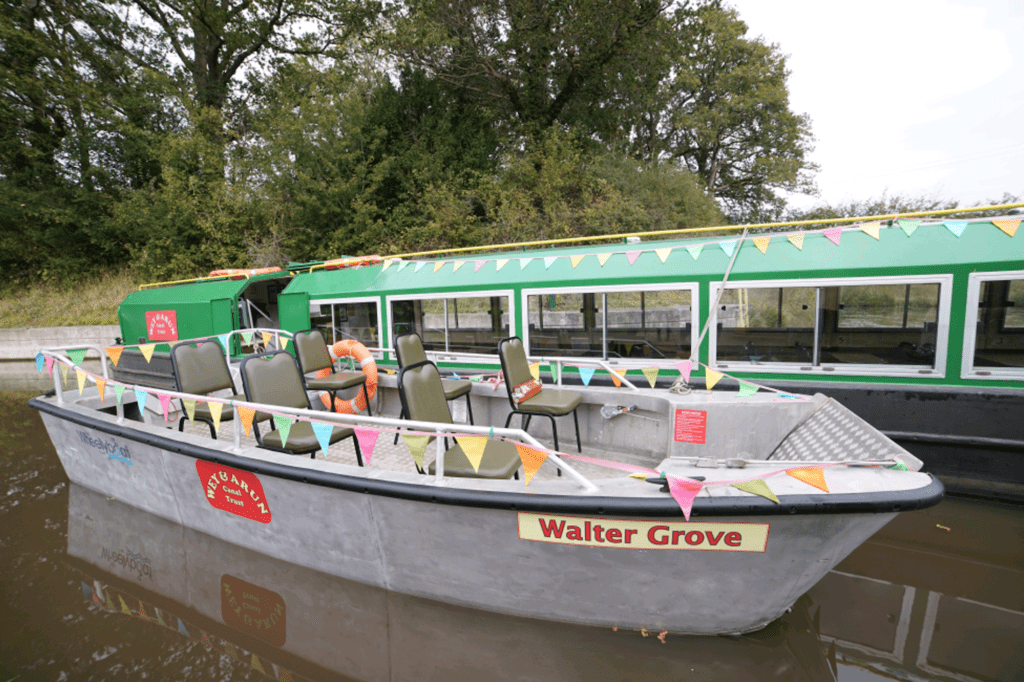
(466,324)
(767,324)
(998,325)
(886,324)
(611,324)
(346,320)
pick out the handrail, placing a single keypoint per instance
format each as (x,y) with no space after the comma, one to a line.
(154,285)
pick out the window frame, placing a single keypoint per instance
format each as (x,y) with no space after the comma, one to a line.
(349,299)
(507,294)
(692,287)
(938,371)
(967,368)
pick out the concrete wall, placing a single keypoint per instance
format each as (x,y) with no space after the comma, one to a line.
(18,348)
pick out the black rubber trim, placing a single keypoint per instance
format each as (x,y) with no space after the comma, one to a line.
(946,439)
(847,503)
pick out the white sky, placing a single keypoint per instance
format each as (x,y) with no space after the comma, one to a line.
(912,97)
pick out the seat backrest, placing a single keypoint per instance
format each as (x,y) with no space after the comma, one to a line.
(514,363)
(201,369)
(409,349)
(311,351)
(273,378)
(419,387)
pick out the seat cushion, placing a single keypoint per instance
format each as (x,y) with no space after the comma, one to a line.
(337,381)
(455,388)
(500,460)
(552,401)
(301,438)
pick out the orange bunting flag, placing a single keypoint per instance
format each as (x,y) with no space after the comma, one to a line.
(812,476)
(247,414)
(266,338)
(473,447)
(531,459)
(417,447)
(285,676)
(602,258)
(438,265)
(81,380)
(535,370)
(871,229)
(142,612)
(796,240)
(762,244)
(323,373)
(1007,226)
(101,384)
(147,350)
(758,487)
(712,377)
(663,253)
(652,375)
(616,378)
(114,353)
(215,412)
(576,260)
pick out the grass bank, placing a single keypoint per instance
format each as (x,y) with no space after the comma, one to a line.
(91,301)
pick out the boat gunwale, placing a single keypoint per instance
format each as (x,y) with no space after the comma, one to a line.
(830,503)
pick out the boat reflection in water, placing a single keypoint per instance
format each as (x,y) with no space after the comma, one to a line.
(290,622)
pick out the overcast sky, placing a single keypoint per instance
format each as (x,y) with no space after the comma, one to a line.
(914,97)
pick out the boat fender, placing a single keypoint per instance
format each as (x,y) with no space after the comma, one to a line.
(350,348)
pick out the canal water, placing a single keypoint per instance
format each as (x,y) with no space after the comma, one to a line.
(91,589)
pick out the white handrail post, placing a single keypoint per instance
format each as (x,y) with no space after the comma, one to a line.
(439,458)
(237,426)
(58,390)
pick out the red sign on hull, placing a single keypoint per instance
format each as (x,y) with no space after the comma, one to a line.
(162,325)
(253,609)
(235,491)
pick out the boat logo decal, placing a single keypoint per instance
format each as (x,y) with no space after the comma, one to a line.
(252,609)
(162,325)
(691,426)
(111,447)
(235,491)
(629,534)
(129,561)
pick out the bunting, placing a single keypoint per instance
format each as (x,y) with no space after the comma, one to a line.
(182,630)
(685,367)
(247,414)
(284,343)
(419,265)
(215,411)
(871,229)
(683,491)
(223,338)
(165,405)
(762,244)
(247,338)
(535,370)
(256,665)
(63,374)
(140,398)
(900,465)
(1007,226)
(616,378)
(711,377)
(119,393)
(283,425)
(81,380)
(602,258)
(387,264)
(477,265)
(49,366)
(729,246)
(124,607)
(473,448)
(810,475)
(323,434)
(523,262)
(575,260)
(501,262)
(532,460)
(747,389)
(663,253)
(797,240)
(77,355)
(438,265)
(266,338)
(142,612)
(757,487)
(367,442)
(833,234)
(957,227)
(908,226)
(586,374)
(695,250)
(549,260)
(651,373)
(417,447)
(458,264)
(285,676)
(86,590)
(631,256)
(147,350)
(402,265)
(190,409)
(101,385)
(114,353)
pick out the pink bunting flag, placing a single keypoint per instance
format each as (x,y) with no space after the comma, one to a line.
(685,367)
(49,366)
(833,234)
(478,264)
(367,441)
(165,404)
(683,491)
(631,256)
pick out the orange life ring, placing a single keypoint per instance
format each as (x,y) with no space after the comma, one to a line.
(350,348)
(236,273)
(358,262)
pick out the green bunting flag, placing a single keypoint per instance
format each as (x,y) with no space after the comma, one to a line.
(417,447)
(909,226)
(747,389)
(77,355)
(900,465)
(758,487)
(284,427)
(247,338)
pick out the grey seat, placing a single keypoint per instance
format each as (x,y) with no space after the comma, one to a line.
(201,368)
(419,387)
(409,351)
(550,402)
(274,379)
(313,356)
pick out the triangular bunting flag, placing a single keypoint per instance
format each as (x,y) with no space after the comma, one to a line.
(554,372)
(160,618)
(165,405)
(833,234)
(652,375)
(473,447)
(639,476)
(535,370)
(417,447)
(247,414)
(285,676)
(616,378)
(387,264)
(758,487)
(871,229)
(685,367)
(900,465)
(631,256)
(1007,226)
(230,650)
(119,393)
(909,226)
(283,425)
(77,355)
(811,475)
(747,389)
(478,264)
(501,262)
(711,377)
(683,491)
(114,353)
(438,265)
(182,630)
(86,590)
(256,665)
(140,398)
(205,640)
(576,260)
(523,262)
(957,227)
(586,374)
(63,374)
(247,338)
(695,250)
(549,260)
(663,253)
(81,380)
(49,366)
(419,265)
(215,411)
(602,258)
(797,240)
(266,338)
(142,612)
(190,409)
(101,384)
(323,434)
(223,338)
(532,459)
(367,442)
(124,607)
(110,604)
(458,264)
(762,244)
(284,343)
(401,266)
(729,246)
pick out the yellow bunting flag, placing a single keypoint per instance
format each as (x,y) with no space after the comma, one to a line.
(63,375)
(712,377)
(535,370)
(642,477)
(758,487)
(215,411)
(81,380)
(417,447)
(247,414)
(576,260)
(602,258)
(473,447)
(147,350)
(796,240)
(229,649)
(762,244)
(1007,226)
(110,603)
(284,343)
(101,384)
(458,265)
(531,459)
(266,338)
(871,229)
(500,263)
(114,353)
(652,375)
(438,265)
(256,665)
(663,253)
(387,264)
(190,409)
(124,607)
(812,476)
(616,378)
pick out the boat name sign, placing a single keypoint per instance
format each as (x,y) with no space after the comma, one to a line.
(233,490)
(631,534)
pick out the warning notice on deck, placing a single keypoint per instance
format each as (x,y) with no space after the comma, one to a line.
(629,534)
(233,490)
(691,426)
